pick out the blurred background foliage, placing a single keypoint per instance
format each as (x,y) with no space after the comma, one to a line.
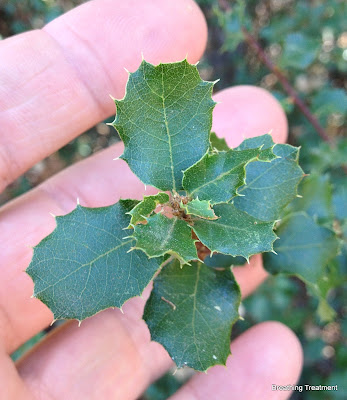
(307,41)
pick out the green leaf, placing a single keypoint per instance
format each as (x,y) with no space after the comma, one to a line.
(303,249)
(316,200)
(328,101)
(235,232)
(340,199)
(164,121)
(162,235)
(218,143)
(263,142)
(199,208)
(270,186)
(84,265)
(191,312)
(145,207)
(218,260)
(216,177)
(299,51)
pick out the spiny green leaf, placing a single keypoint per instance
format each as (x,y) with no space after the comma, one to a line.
(218,143)
(145,207)
(235,232)
(264,142)
(164,121)
(84,266)
(199,208)
(270,186)
(303,248)
(216,177)
(191,312)
(163,235)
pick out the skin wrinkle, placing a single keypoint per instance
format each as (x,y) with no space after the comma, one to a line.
(99,104)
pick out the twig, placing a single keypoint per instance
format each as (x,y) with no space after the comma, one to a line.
(169,302)
(252,42)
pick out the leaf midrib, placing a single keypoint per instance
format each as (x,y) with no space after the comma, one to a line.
(167,130)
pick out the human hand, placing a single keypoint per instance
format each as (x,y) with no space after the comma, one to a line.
(54,84)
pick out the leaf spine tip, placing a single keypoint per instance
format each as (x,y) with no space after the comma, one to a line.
(299,196)
(127,71)
(273,251)
(121,310)
(54,216)
(116,159)
(79,323)
(54,320)
(113,98)
(78,201)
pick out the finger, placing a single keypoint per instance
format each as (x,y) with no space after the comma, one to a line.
(55,83)
(240,114)
(97,181)
(267,354)
(110,356)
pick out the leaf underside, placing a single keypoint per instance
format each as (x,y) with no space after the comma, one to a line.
(164,121)
(191,312)
(84,266)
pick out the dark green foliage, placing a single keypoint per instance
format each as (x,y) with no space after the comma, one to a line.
(102,257)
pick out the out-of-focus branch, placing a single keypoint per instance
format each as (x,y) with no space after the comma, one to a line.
(253,43)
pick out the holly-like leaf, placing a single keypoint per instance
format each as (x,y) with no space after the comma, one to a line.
(235,232)
(216,177)
(162,235)
(84,266)
(303,248)
(191,312)
(164,121)
(264,142)
(145,207)
(199,208)
(270,186)
(218,143)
